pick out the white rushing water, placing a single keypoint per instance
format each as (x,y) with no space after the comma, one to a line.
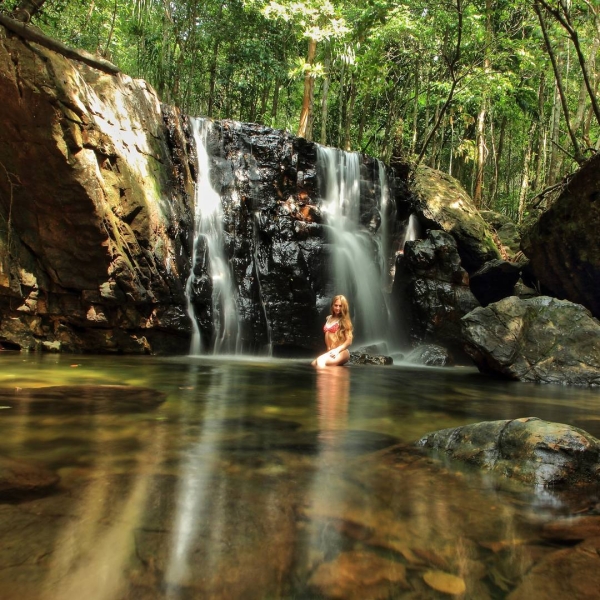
(358,263)
(208,245)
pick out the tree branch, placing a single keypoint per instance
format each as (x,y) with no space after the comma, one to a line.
(34,35)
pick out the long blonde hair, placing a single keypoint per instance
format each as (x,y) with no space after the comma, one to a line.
(345,331)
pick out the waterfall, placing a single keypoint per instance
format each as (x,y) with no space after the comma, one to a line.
(358,262)
(210,267)
(387,210)
(412,230)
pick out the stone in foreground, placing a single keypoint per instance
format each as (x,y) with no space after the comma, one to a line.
(528,449)
(18,477)
(537,339)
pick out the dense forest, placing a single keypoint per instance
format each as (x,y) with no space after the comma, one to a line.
(500,94)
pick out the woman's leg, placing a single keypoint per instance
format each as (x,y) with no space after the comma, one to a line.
(325,360)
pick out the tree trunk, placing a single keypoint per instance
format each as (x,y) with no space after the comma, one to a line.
(27,9)
(275,104)
(481,156)
(559,85)
(32,34)
(564,18)
(306,114)
(349,113)
(453,63)
(553,174)
(415,119)
(325,97)
(526,167)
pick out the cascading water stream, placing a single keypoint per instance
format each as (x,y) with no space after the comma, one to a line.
(209,258)
(357,258)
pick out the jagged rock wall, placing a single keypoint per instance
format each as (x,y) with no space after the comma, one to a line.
(94,228)
(274,235)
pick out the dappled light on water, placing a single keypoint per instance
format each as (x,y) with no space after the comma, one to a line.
(213,478)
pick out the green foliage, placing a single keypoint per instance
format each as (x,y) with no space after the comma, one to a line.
(384,70)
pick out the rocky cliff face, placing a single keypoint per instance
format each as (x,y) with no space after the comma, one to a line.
(94,228)
(97,204)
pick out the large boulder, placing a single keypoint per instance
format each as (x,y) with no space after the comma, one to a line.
(94,213)
(563,243)
(432,291)
(440,202)
(529,450)
(538,339)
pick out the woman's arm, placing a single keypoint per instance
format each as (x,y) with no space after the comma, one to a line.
(344,346)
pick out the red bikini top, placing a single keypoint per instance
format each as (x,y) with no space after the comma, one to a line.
(333,328)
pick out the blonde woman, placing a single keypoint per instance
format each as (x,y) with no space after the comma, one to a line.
(338,335)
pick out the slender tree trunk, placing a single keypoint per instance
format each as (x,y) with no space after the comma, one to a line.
(497,150)
(325,97)
(564,18)
(275,102)
(415,119)
(481,156)
(555,162)
(342,109)
(212,69)
(480,138)
(349,113)
(363,120)
(453,62)
(559,84)
(526,168)
(306,114)
(104,52)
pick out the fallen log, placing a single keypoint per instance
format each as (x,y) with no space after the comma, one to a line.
(32,34)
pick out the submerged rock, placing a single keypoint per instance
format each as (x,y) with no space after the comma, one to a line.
(20,478)
(539,339)
(117,399)
(357,575)
(529,450)
(566,573)
(430,355)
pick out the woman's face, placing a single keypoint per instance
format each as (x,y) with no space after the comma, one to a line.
(337,307)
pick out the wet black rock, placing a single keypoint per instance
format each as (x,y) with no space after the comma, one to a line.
(430,355)
(363,358)
(528,449)
(539,339)
(432,289)
(494,281)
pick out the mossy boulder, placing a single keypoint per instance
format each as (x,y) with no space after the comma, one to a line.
(529,450)
(440,202)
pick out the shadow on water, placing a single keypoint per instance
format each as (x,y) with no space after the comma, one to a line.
(235,478)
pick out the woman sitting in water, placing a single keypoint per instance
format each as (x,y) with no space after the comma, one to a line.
(338,335)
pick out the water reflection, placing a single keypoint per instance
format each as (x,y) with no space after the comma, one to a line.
(270,479)
(333,394)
